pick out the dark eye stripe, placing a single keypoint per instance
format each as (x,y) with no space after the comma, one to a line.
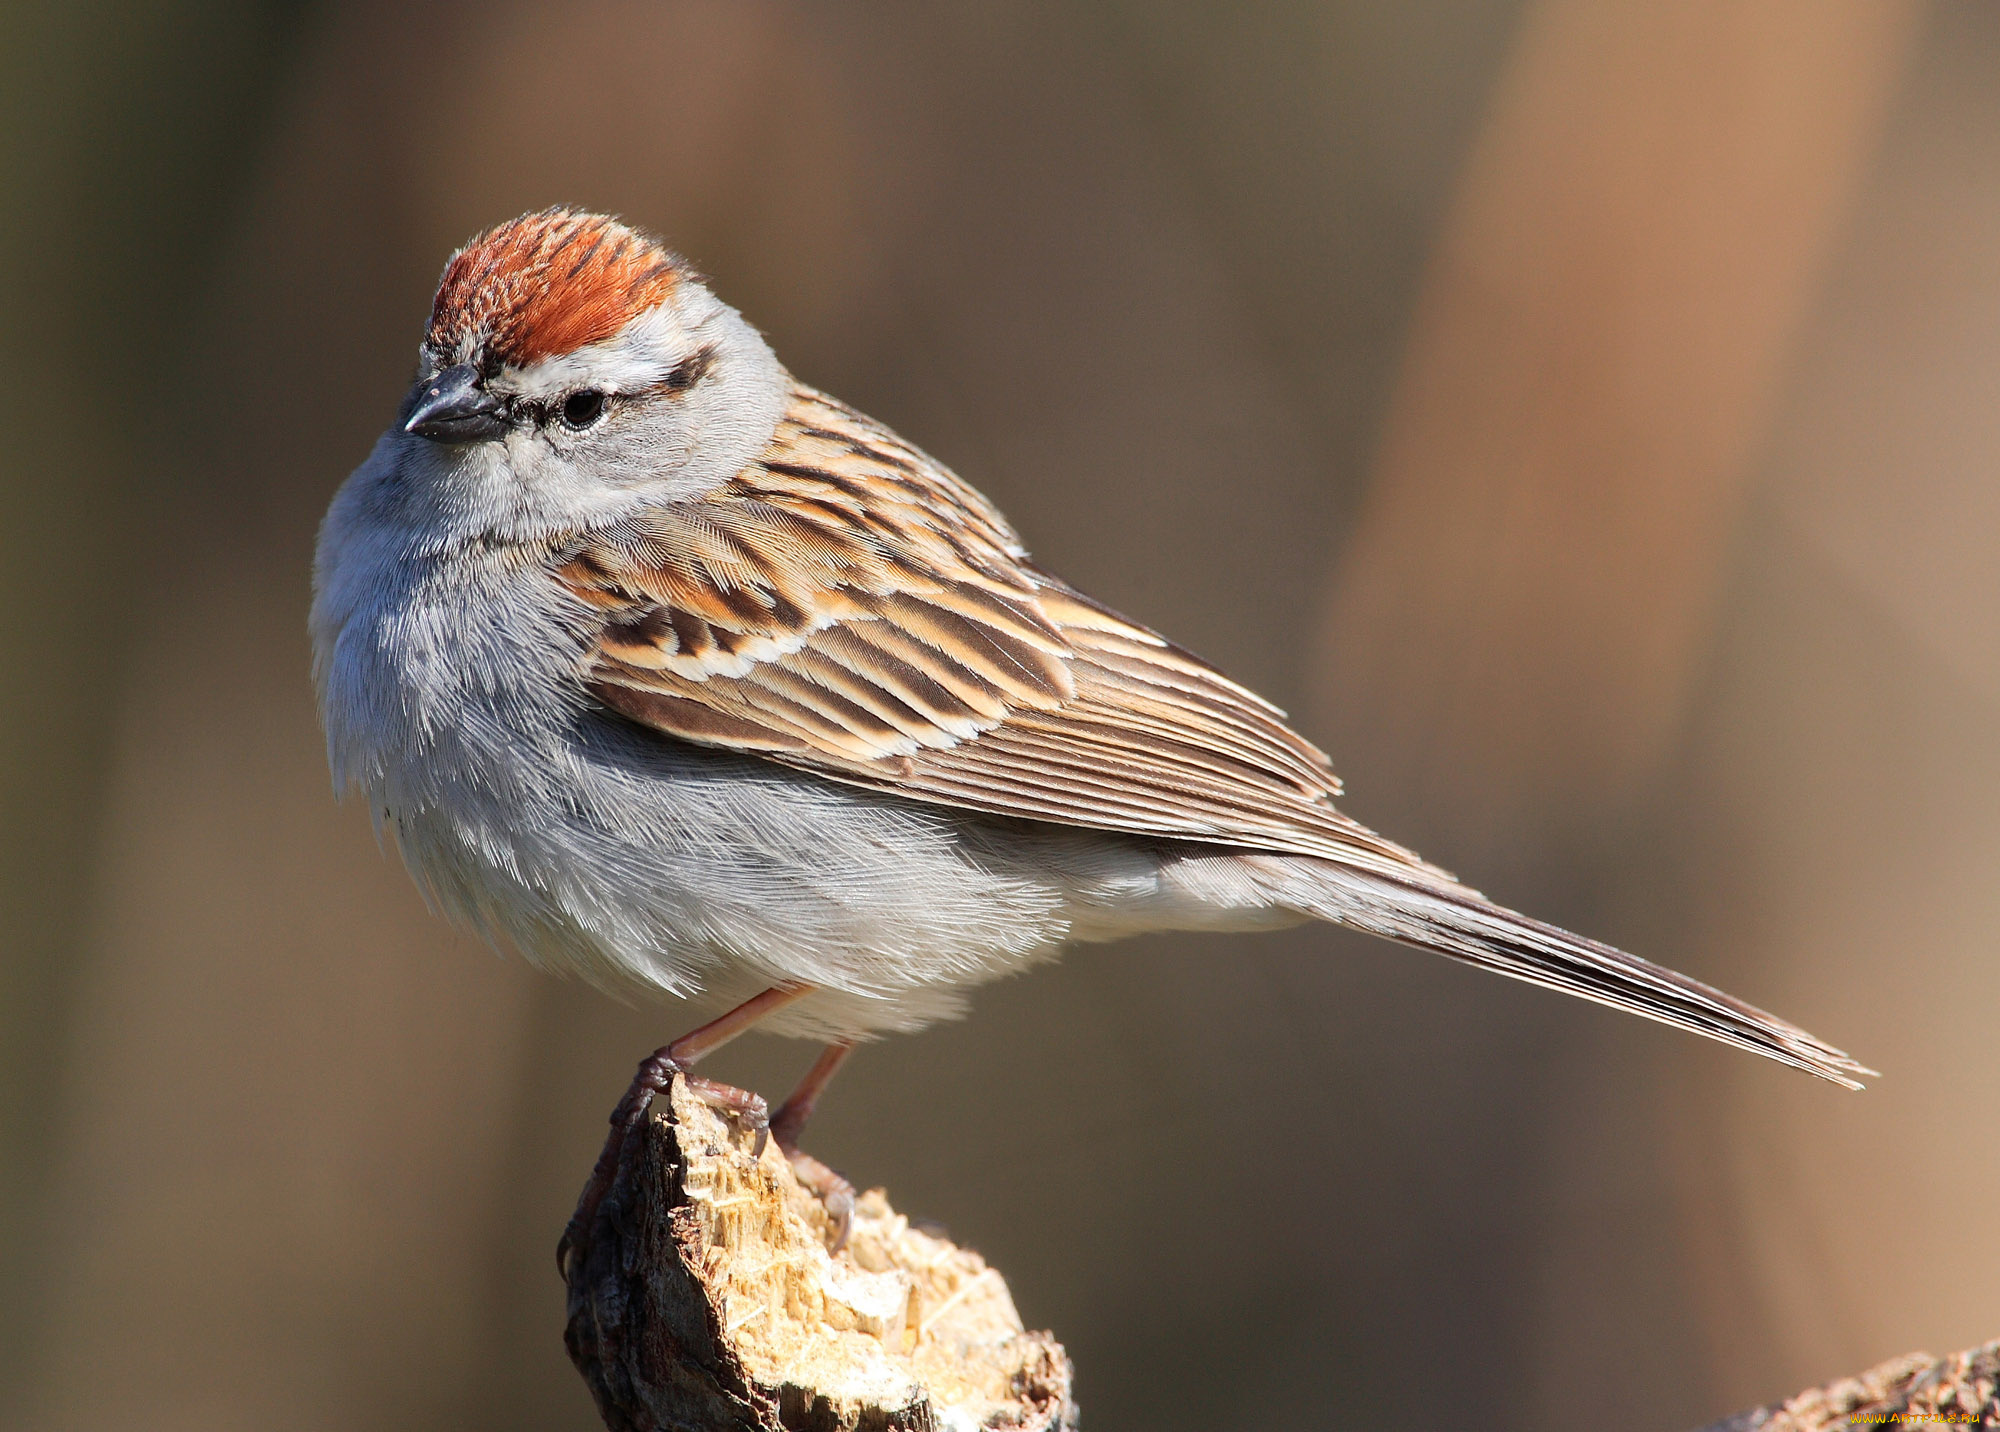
(690,370)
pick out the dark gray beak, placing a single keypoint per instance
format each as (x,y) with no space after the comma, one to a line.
(453,408)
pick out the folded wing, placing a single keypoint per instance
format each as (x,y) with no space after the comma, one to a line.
(849,607)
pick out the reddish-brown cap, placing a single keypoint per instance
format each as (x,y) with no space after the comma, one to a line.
(548,283)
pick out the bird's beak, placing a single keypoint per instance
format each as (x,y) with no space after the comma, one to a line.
(453,408)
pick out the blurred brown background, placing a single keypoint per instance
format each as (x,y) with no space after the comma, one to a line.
(1580,413)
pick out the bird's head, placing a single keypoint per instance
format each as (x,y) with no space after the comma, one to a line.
(571,359)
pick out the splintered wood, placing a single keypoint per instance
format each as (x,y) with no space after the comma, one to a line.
(703,1297)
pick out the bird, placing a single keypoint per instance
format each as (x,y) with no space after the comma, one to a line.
(685,678)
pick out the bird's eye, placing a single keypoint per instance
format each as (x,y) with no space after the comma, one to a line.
(581,409)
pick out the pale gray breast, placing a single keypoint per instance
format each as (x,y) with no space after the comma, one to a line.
(623,855)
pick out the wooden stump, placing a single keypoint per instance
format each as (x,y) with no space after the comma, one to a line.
(703,1297)
(1915,1389)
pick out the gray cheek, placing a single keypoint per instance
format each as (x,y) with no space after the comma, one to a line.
(650,451)
(563,479)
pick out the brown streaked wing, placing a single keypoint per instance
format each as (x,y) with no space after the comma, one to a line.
(847,606)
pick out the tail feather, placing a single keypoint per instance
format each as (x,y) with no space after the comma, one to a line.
(1453,920)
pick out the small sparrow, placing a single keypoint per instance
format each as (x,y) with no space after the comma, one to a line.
(689,679)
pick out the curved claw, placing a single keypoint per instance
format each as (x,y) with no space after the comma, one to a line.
(834,1192)
(840,1208)
(655,1073)
(740,1106)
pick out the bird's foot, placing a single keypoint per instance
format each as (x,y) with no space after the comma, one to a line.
(656,1073)
(742,1108)
(834,1192)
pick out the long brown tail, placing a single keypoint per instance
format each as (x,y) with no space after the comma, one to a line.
(1461,923)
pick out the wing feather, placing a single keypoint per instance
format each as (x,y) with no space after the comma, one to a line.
(848,606)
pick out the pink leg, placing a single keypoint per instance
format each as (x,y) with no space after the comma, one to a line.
(799,1104)
(657,1069)
(834,1192)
